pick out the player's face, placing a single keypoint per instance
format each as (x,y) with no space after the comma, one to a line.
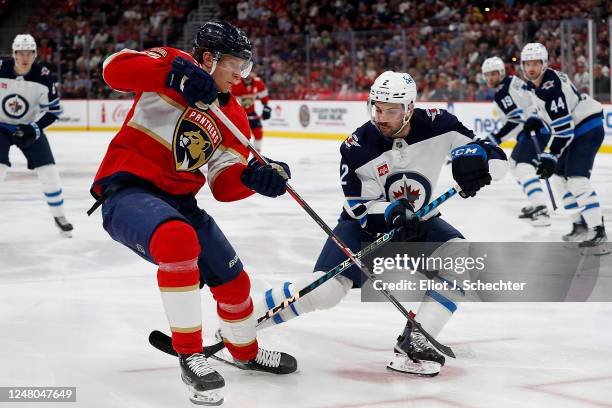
(532,69)
(493,78)
(24,60)
(389,117)
(228,71)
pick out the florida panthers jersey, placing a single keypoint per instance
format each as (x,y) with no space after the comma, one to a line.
(27,98)
(568,113)
(513,103)
(248,93)
(163,140)
(376,170)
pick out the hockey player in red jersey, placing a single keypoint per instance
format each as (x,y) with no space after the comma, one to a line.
(247,90)
(147,183)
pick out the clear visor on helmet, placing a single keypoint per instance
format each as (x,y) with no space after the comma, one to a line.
(385,112)
(237,65)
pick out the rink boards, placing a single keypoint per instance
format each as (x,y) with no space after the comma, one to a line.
(300,118)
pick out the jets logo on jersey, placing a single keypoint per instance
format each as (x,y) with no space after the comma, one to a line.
(548,84)
(411,185)
(196,138)
(351,141)
(15,106)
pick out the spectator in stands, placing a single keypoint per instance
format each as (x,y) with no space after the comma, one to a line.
(601,85)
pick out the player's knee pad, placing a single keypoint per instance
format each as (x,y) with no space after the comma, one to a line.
(3,170)
(579,186)
(328,294)
(49,177)
(174,241)
(585,195)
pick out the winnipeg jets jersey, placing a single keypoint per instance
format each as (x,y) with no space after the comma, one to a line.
(568,113)
(513,103)
(28,98)
(376,170)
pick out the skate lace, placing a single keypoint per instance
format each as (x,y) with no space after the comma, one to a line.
(268,358)
(199,365)
(420,342)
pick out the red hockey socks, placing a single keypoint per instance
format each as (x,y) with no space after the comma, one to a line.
(235,310)
(175,248)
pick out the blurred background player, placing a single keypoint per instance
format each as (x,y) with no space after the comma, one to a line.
(248,90)
(148,180)
(513,103)
(576,122)
(389,168)
(30,103)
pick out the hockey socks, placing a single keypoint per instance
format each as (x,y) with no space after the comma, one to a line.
(235,311)
(325,296)
(49,178)
(175,248)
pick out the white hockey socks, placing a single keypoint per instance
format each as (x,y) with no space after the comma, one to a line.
(586,200)
(326,296)
(531,184)
(49,178)
(438,305)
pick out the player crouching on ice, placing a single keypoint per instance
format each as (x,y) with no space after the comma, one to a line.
(388,169)
(148,180)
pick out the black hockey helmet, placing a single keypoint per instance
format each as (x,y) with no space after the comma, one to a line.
(219,37)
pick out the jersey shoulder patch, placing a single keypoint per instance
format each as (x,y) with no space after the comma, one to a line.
(363,145)
(444,122)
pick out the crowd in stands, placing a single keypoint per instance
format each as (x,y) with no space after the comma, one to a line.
(441,43)
(335,48)
(74,37)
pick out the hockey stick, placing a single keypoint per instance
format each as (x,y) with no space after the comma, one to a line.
(163,342)
(331,234)
(536,146)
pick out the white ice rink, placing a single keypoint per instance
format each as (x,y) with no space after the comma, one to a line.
(77,312)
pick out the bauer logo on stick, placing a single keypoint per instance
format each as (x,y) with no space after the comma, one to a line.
(196,138)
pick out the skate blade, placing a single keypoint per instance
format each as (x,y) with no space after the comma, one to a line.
(598,250)
(403,364)
(538,224)
(210,398)
(66,234)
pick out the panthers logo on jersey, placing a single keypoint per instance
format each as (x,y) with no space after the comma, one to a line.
(15,106)
(196,138)
(408,184)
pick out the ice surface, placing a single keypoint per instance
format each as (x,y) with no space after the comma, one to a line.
(77,312)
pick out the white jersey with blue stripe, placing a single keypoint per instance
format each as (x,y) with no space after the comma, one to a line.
(27,98)
(568,113)
(376,170)
(513,103)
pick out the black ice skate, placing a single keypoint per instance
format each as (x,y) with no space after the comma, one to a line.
(538,216)
(64,226)
(274,362)
(202,380)
(578,232)
(415,355)
(596,241)
(525,210)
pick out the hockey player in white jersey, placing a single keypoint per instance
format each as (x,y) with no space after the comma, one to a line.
(576,122)
(513,103)
(389,168)
(30,103)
